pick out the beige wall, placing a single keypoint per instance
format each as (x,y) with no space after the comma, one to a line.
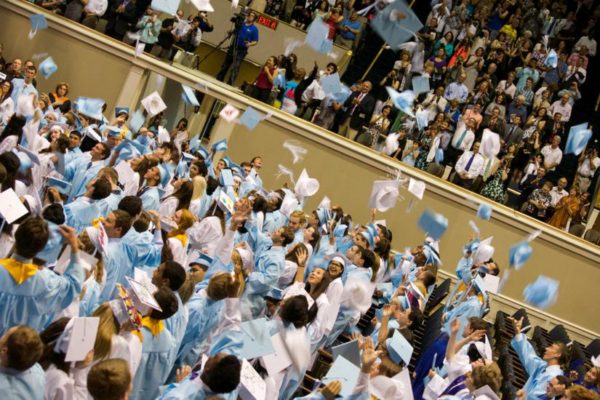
(87,69)
(345,170)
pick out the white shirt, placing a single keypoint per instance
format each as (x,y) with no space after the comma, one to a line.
(456,91)
(563,109)
(588,169)
(587,42)
(97,7)
(507,90)
(476,167)
(466,142)
(557,194)
(551,156)
(314,91)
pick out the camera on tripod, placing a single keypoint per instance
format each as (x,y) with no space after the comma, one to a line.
(239,18)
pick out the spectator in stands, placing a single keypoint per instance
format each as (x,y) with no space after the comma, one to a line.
(24,86)
(264,81)
(358,111)
(121,17)
(348,30)
(247,36)
(93,11)
(589,162)
(566,208)
(539,201)
(468,167)
(563,107)
(552,154)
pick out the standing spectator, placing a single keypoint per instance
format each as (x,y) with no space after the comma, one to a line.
(24,86)
(247,37)
(552,154)
(149,27)
(348,31)
(589,162)
(457,90)
(507,86)
(93,11)
(59,98)
(121,17)
(538,202)
(359,108)
(566,208)
(264,81)
(563,107)
(74,9)
(517,107)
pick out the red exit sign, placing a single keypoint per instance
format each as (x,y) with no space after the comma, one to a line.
(268,22)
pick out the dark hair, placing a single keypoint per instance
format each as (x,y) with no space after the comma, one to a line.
(49,337)
(11,164)
(367,256)
(295,311)
(563,380)
(105,151)
(175,273)
(122,220)
(31,237)
(287,235)
(101,188)
(24,348)
(224,377)
(184,195)
(54,213)
(166,299)
(142,223)
(259,204)
(201,165)
(211,185)
(132,205)
(477,324)
(333,66)
(416,318)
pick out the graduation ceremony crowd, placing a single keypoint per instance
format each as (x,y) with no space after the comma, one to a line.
(136,263)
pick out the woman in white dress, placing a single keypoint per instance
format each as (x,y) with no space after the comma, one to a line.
(180,199)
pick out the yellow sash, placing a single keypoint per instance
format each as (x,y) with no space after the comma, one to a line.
(182,237)
(155,326)
(96,222)
(19,271)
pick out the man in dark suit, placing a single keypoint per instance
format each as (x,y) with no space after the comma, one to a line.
(553,128)
(359,108)
(513,134)
(492,122)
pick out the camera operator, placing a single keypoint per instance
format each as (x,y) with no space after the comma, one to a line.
(246,36)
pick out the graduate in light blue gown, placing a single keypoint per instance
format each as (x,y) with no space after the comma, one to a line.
(84,169)
(269,258)
(158,347)
(82,211)
(54,216)
(150,193)
(172,275)
(29,295)
(117,264)
(111,202)
(21,377)
(540,370)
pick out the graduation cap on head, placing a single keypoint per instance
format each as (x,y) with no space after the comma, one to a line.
(402,101)
(124,309)
(250,118)
(275,294)
(349,350)
(78,338)
(384,195)
(542,293)
(47,67)
(579,136)
(141,296)
(203,259)
(305,185)
(63,187)
(114,131)
(38,22)
(188,96)
(435,225)
(484,212)
(89,107)
(153,104)
(323,215)
(396,23)
(121,110)
(221,145)
(24,160)
(399,349)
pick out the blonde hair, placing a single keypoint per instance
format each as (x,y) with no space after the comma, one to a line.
(489,375)
(579,392)
(186,220)
(107,328)
(199,185)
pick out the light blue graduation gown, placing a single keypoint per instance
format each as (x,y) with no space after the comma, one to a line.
(469,307)
(80,213)
(151,199)
(110,203)
(158,353)
(23,385)
(540,373)
(84,172)
(91,298)
(117,266)
(273,221)
(21,89)
(143,248)
(269,266)
(34,301)
(204,317)
(71,156)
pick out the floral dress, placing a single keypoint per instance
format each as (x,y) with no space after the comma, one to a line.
(494,189)
(421,161)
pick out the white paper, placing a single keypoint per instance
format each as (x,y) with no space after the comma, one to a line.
(126,174)
(86,261)
(102,238)
(142,277)
(11,207)
(229,113)
(417,188)
(139,48)
(278,361)
(163,135)
(83,338)
(404,378)
(492,283)
(252,386)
